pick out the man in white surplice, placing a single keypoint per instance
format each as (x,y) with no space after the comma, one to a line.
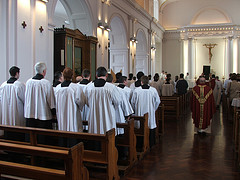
(69,101)
(125,108)
(102,98)
(145,99)
(12,99)
(83,84)
(39,99)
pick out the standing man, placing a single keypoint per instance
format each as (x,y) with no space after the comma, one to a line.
(145,99)
(202,106)
(12,99)
(181,85)
(39,99)
(102,98)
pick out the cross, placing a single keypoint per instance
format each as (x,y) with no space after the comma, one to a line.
(24,24)
(41,29)
(210,46)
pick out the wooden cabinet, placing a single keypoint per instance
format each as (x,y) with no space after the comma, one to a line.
(74,50)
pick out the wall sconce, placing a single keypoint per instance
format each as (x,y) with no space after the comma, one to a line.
(41,29)
(107,28)
(153,48)
(99,45)
(44,1)
(100,25)
(24,24)
(133,39)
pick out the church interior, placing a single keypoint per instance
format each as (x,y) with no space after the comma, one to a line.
(152,36)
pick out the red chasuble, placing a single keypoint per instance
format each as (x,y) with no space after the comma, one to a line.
(202,106)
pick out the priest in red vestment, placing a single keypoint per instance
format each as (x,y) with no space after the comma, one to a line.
(202,106)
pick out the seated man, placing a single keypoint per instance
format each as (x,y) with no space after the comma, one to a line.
(69,101)
(145,99)
(102,98)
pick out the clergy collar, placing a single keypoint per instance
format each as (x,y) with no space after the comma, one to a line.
(56,83)
(38,76)
(121,86)
(84,81)
(145,86)
(138,83)
(99,82)
(11,80)
(65,83)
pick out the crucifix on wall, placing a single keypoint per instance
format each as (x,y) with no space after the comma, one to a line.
(210,47)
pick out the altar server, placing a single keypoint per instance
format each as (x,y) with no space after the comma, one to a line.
(124,109)
(102,98)
(83,84)
(39,99)
(145,99)
(12,99)
(69,101)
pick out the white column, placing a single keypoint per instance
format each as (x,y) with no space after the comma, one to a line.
(3,37)
(190,57)
(228,56)
(235,55)
(193,63)
(238,49)
(181,55)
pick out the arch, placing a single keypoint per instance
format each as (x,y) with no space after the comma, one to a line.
(78,12)
(118,45)
(141,63)
(210,15)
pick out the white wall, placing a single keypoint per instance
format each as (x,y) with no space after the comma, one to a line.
(181,13)
(202,56)
(171,56)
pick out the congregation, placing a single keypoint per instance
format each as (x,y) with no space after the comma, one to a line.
(103,102)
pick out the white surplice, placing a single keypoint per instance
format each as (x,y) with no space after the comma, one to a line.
(39,99)
(85,109)
(12,103)
(146,101)
(102,102)
(69,102)
(124,108)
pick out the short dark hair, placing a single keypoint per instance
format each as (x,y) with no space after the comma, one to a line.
(101,71)
(67,73)
(118,75)
(181,75)
(57,75)
(14,70)
(130,76)
(140,74)
(213,75)
(144,80)
(85,73)
(109,78)
(156,77)
(122,79)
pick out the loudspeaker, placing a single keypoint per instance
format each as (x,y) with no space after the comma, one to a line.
(206,71)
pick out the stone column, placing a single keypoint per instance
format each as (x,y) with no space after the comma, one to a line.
(228,56)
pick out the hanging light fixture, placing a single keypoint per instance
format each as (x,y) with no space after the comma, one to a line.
(44,1)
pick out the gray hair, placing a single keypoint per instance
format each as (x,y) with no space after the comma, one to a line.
(40,67)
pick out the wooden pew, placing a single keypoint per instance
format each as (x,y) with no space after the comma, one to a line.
(107,156)
(142,135)
(236,130)
(159,121)
(74,169)
(128,139)
(172,106)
